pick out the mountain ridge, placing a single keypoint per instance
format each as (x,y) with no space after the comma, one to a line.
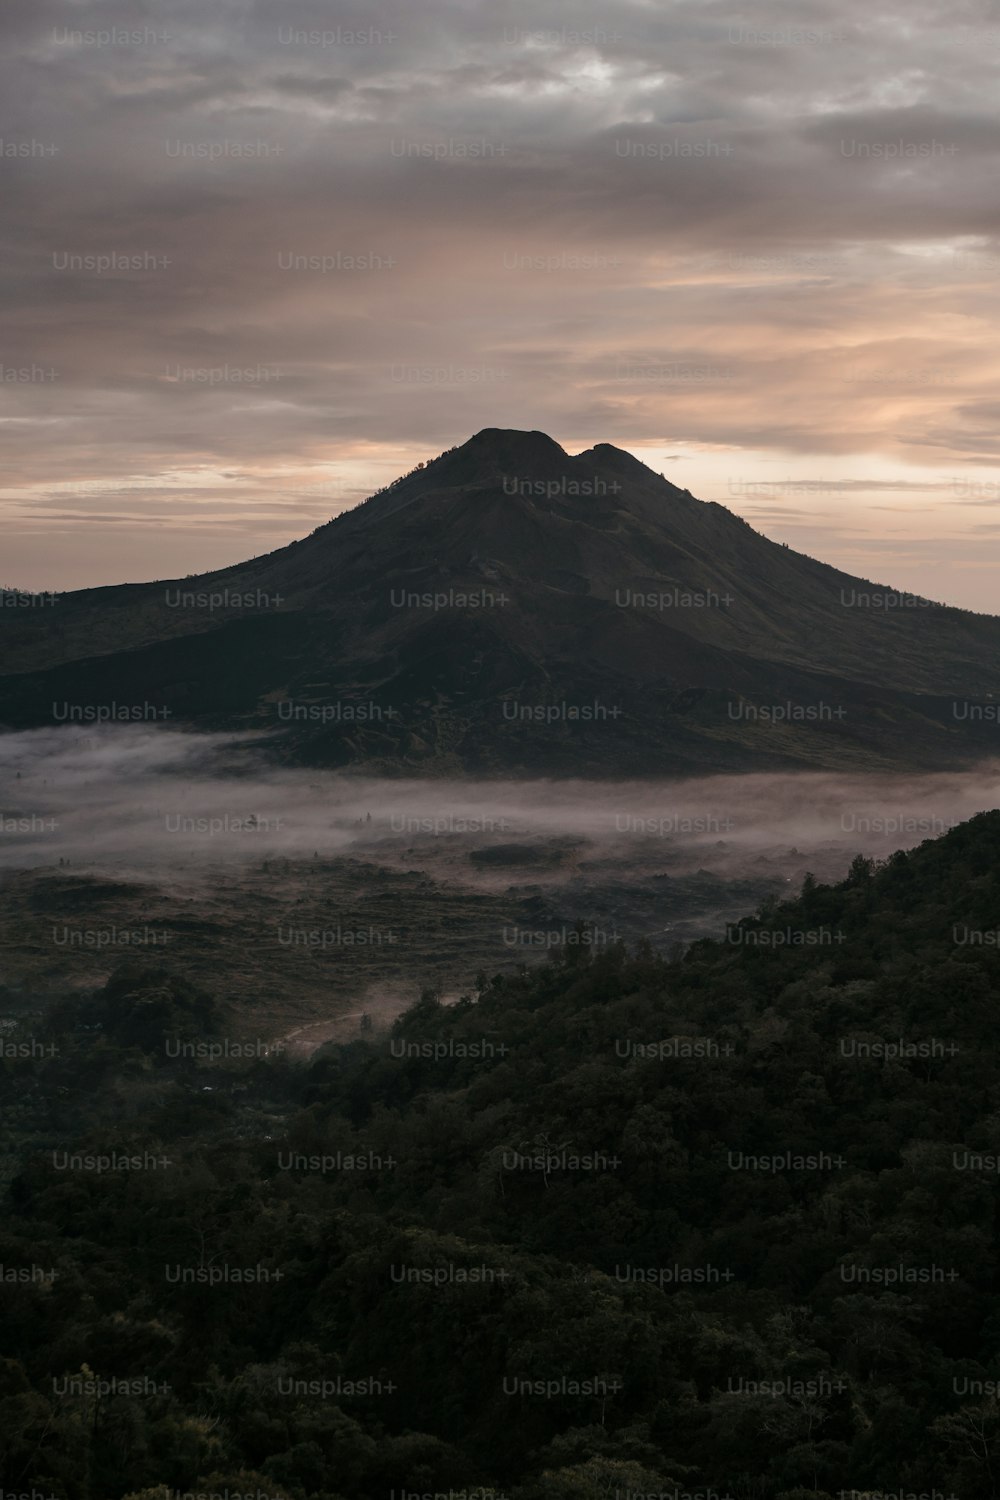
(508,571)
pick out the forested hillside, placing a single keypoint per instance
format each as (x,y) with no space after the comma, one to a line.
(616,1226)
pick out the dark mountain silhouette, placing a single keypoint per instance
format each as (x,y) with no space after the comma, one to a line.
(591,617)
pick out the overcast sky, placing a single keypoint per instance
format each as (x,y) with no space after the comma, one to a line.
(759,249)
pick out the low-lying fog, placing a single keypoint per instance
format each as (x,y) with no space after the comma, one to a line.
(304,898)
(140,800)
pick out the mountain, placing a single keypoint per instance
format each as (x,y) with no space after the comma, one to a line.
(508,607)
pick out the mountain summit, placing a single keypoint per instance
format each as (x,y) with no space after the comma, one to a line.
(508,607)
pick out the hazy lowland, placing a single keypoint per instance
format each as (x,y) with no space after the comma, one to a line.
(304,896)
(613,1225)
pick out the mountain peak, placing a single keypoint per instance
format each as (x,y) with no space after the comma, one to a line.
(502,436)
(609,453)
(619,460)
(499,451)
(509,445)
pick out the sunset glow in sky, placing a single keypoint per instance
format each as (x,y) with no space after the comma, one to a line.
(261,256)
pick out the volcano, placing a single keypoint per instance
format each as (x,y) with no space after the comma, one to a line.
(508,608)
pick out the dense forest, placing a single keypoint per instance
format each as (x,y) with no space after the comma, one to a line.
(612,1226)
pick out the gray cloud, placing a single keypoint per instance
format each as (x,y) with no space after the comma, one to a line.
(802,207)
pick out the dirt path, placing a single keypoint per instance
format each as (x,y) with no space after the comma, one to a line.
(303,1041)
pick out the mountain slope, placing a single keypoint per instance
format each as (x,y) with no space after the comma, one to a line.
(584,615)
(723,1226)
